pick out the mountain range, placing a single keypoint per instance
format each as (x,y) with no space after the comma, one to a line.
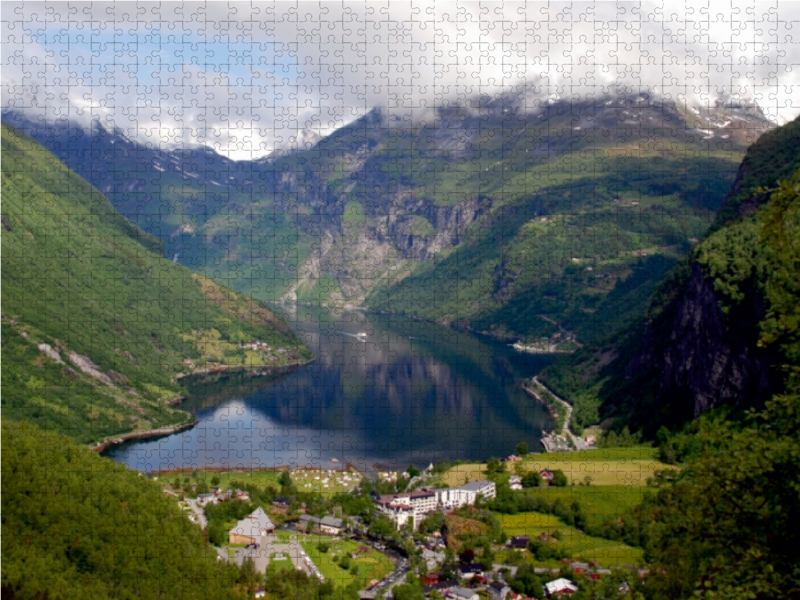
(545,220)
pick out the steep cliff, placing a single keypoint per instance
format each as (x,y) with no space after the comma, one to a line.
(706,340)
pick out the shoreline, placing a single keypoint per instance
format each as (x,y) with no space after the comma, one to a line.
(455,325)
(116,440)
(345,468)
(259,371)
(159,432)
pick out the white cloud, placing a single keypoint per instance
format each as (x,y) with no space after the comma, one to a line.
(245,78)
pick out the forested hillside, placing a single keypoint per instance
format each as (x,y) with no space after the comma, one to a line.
(721,329)
(96,324)
(79,526)
(722,335)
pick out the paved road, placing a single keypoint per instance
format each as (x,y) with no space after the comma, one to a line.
(579,443)
(270,545)
(197,510)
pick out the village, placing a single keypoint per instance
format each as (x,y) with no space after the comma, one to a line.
(382,534)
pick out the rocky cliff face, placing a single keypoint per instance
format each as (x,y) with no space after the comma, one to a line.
(698,348)
(710,358)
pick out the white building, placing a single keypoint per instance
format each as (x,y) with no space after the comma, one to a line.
(252,528)
(400,508)
(560,586)
(484,488)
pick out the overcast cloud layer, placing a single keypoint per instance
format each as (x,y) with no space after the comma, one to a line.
(247,78)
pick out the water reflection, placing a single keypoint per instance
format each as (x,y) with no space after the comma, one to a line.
(412,392)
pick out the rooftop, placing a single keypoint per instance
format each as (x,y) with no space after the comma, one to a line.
(254,523)
(477,486)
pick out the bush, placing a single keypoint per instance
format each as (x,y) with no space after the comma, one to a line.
(532,479)
(559,479)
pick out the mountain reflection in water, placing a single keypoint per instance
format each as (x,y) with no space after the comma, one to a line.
(412,392)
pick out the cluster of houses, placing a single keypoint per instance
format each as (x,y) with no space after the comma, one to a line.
(411,507)
(471,574)
(473,584)
(218,495)
(257,346)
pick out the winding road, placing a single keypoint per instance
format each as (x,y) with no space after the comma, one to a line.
(579,443)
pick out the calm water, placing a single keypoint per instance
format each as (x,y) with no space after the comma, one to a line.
(411,393)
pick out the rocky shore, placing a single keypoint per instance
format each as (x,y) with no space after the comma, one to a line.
(148,433)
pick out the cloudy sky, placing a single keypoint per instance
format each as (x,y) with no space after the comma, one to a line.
(247,78)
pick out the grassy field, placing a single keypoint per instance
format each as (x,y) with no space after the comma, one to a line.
(286,536)
(597,502)
(284,564)
(612,467)
(326,483)
(258,478)
(580,545)
(371,564)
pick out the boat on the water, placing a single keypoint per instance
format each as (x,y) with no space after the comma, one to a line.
(361,335)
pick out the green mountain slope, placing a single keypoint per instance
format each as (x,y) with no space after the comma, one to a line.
(722,328)
(523,217)
(79,526)
(96,325)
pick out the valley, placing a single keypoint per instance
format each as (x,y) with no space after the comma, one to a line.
(515,219)
(666,321)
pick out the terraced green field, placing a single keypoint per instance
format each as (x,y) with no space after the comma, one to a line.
(581,546)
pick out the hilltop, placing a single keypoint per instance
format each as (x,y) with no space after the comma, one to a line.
(97,326)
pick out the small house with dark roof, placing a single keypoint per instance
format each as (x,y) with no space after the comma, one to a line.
(331,525)
(461,593)
(281,502)
(519,541)
(470,570)
(442,586)
(499,590)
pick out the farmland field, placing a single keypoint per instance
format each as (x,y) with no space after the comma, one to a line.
(612,467)
(597,502)
(581,546)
